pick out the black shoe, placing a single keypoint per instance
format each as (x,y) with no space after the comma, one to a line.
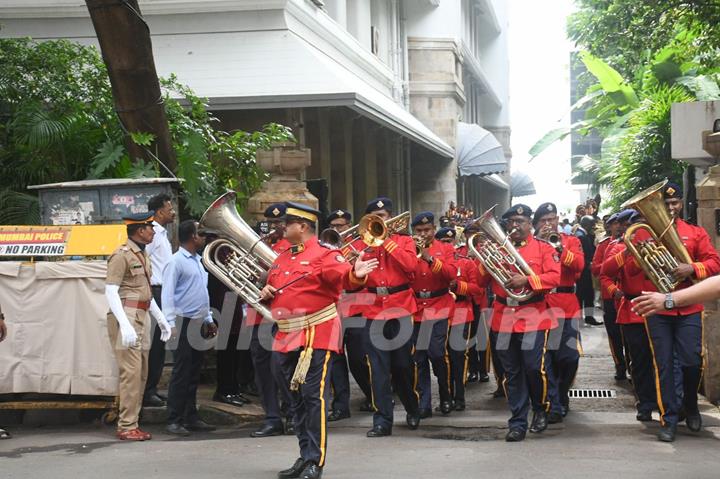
(459,405)
(153,401)
(290,426)
(620,374)
(268,430)
(694,422)
(590,321)
(312,471)
(445,407)
(200,426)
(539,422)
(644,416)
(232,399)
(667,433)
(473,378)
(338,415)
(294,471)
(425,413)
(366,407)
(515,435)
(250,389)
(413,421)
(564,410)
(161,395)
(498,393)
(484,378)
(554,418)
(379,431)
(177,430)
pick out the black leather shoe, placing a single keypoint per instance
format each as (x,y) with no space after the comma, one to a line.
(473,378)
(459,405)
(539,422)
(446,407)
(515,435)
(231,399)
(425,413)
(667,433)
(290,426)
(484,378)
(366,407)
(694,422)
(620,374)
(312,471)
(153,401)
(498,393)
(177,430)
(294,471)
(590,321)
(268,430)
(413,421)
(250,389)
(554,418)
(199,426)
(379,431)
(564,410)
(644,416)
(338,415)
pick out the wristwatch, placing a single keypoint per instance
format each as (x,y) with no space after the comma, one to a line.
(669,301)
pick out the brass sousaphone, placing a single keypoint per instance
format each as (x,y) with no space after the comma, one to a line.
(659,255)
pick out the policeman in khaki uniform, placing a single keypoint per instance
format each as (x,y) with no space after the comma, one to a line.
(127,289)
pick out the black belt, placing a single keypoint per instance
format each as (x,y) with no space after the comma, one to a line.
(630,297)
(460,298)
(431,294)
(565,289)
(350,291)
(387,291)
(534,299)
(156,286)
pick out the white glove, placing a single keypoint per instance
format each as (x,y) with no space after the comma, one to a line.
(127,332)
(165,328)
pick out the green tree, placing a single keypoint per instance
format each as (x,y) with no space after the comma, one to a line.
(57,123)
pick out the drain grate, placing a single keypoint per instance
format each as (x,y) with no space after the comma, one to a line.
(593,393)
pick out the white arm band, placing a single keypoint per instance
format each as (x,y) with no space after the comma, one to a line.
(112,293)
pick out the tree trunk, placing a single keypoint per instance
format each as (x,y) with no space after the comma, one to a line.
(127,52)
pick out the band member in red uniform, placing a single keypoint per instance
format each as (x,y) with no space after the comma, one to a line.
(268,380)
(566,355)
(464,287)
(434,271)
(678,331)
(303,287)
(621,284)
(480,351)
(612,227)
(523,326)
(388,331)
(350,310)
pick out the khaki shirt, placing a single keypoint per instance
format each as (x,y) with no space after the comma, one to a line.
(129,267)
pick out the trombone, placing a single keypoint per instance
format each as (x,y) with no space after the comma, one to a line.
(372,230)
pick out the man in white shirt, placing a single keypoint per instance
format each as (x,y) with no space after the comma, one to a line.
(160,252)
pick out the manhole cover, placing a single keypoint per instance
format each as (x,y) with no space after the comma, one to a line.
(593,393)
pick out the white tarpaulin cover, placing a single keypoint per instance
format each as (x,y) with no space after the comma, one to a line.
(57,341)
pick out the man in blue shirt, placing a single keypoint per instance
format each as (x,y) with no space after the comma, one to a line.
(186,305)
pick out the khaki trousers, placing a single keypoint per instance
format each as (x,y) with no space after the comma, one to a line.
(132,365)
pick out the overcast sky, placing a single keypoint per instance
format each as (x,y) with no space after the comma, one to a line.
(540,96)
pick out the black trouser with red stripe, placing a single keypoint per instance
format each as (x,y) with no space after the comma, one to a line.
(478,352)
(526,362)
(356,362)
(565,355)
(458,346)
(309,403)
(637,348)
(614,336)
(431,346)
(679,336)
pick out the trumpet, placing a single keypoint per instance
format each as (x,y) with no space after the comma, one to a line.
(552,237)
(421,244)
(498,256)
(663,250)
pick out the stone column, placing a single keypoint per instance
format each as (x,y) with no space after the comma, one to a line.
(286,164)
(708,195)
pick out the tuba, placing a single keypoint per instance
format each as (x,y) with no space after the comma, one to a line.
(661,253)
(239,258)
(497,254)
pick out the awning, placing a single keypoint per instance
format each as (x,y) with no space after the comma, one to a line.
(478,151)
(279,69)
(521,184)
